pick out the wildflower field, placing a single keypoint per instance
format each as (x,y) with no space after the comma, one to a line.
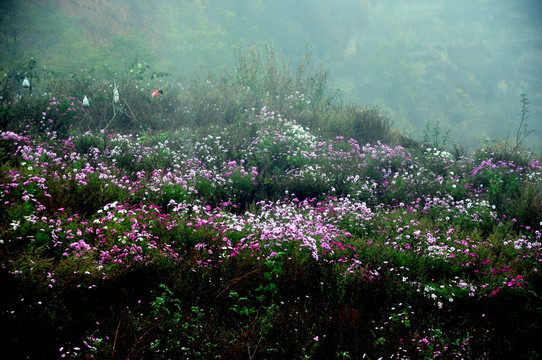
(260,238)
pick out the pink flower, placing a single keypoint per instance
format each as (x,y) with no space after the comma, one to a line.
(494,292)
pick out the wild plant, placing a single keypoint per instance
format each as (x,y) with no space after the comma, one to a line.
(435,138)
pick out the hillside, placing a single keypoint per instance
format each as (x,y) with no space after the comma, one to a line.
(462,64)
(219,220)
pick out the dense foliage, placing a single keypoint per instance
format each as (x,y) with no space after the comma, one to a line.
(244,215)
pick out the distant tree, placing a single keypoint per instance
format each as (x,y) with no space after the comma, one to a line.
(22,34)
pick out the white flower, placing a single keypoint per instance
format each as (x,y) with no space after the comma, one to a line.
(15,224)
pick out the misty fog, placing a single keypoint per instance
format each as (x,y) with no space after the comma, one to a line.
(463,63)
(459,64)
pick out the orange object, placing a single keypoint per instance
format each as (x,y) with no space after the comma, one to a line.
(157,92)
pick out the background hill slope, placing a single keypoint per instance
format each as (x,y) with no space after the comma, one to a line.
(462,64)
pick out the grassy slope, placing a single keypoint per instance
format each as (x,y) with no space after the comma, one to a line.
(208,222)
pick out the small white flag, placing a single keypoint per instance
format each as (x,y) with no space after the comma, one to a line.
(116,94)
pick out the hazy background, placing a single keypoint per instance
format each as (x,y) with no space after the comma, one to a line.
(460,63)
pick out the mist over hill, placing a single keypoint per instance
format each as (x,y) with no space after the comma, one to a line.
(264,179)
(459,64)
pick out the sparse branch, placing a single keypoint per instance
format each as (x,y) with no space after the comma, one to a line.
(522,132)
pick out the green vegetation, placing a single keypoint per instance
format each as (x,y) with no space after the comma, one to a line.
(250,214)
